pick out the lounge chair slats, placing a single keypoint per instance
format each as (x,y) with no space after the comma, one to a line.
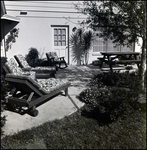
(41,70)
(36,92)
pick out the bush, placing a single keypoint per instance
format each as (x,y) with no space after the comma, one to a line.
(4,85)
(117,100)
(3,61)
(125,79)
(128,67)
(4,90)
(32,57)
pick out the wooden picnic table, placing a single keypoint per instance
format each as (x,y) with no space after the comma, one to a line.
(123,58)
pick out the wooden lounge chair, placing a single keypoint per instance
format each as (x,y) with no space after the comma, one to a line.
(29,93)
(58,61)
(25,66)
(12,67)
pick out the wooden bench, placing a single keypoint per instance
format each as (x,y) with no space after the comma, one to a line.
(126,62)
(125,58)
(101,60)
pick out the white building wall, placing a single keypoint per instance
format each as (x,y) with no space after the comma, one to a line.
(35,27)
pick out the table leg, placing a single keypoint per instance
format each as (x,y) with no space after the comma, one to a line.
(137,63)
(101,63)
(110,63)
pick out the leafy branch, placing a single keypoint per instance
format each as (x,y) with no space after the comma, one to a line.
(11,38)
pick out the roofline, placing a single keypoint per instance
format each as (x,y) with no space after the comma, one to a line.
(7,17)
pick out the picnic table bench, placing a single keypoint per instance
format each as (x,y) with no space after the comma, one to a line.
(112,58)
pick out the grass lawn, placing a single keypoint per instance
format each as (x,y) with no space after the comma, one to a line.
(81,130)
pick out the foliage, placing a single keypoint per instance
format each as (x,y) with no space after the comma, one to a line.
(41,53)
(123,22)
(4,85)
(11,38)
(4,89)
(79,132)
(80,43)
(32,57)
(3,121)
(76,45)
(86,131)
(3,61)
(112,94)
(128,67)
(87,40)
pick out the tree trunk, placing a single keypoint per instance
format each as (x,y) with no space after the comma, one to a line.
(143,63)
(86,58)
(78,62)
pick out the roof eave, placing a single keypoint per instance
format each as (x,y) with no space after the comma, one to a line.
(11,18)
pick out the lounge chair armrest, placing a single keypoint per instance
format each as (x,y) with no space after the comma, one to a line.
(27,69)
(61,58)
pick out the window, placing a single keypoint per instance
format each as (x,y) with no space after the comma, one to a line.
(111,46)
(99,45)
(59,37)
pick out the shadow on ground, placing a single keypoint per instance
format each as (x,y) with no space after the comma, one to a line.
(78,75)
(102,118)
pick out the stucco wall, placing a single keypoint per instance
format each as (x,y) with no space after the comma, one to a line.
(36,31)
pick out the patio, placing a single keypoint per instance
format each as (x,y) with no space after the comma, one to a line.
(56,108)
(59,106)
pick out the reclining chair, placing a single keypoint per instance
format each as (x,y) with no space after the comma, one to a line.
(29,93)
(58,61)
(12,67)
(25,66)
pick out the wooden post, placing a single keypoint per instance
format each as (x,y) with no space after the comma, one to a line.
(73,102)
(66,91)
(30,96)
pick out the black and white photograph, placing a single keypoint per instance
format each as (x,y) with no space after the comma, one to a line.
(73,74)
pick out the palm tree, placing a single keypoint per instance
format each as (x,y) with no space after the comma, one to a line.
(87,39)
(80,43)
(76,45)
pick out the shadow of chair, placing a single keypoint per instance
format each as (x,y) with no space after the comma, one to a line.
(26,67)
(58,61)
(29,93)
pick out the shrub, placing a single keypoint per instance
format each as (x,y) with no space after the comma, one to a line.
(32,57)
(4,85)
(3,61)
(117,100)
(125,79)
(128,67)
(11,38)
(4,90)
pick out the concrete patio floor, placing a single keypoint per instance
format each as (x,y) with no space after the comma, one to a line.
(56,108)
